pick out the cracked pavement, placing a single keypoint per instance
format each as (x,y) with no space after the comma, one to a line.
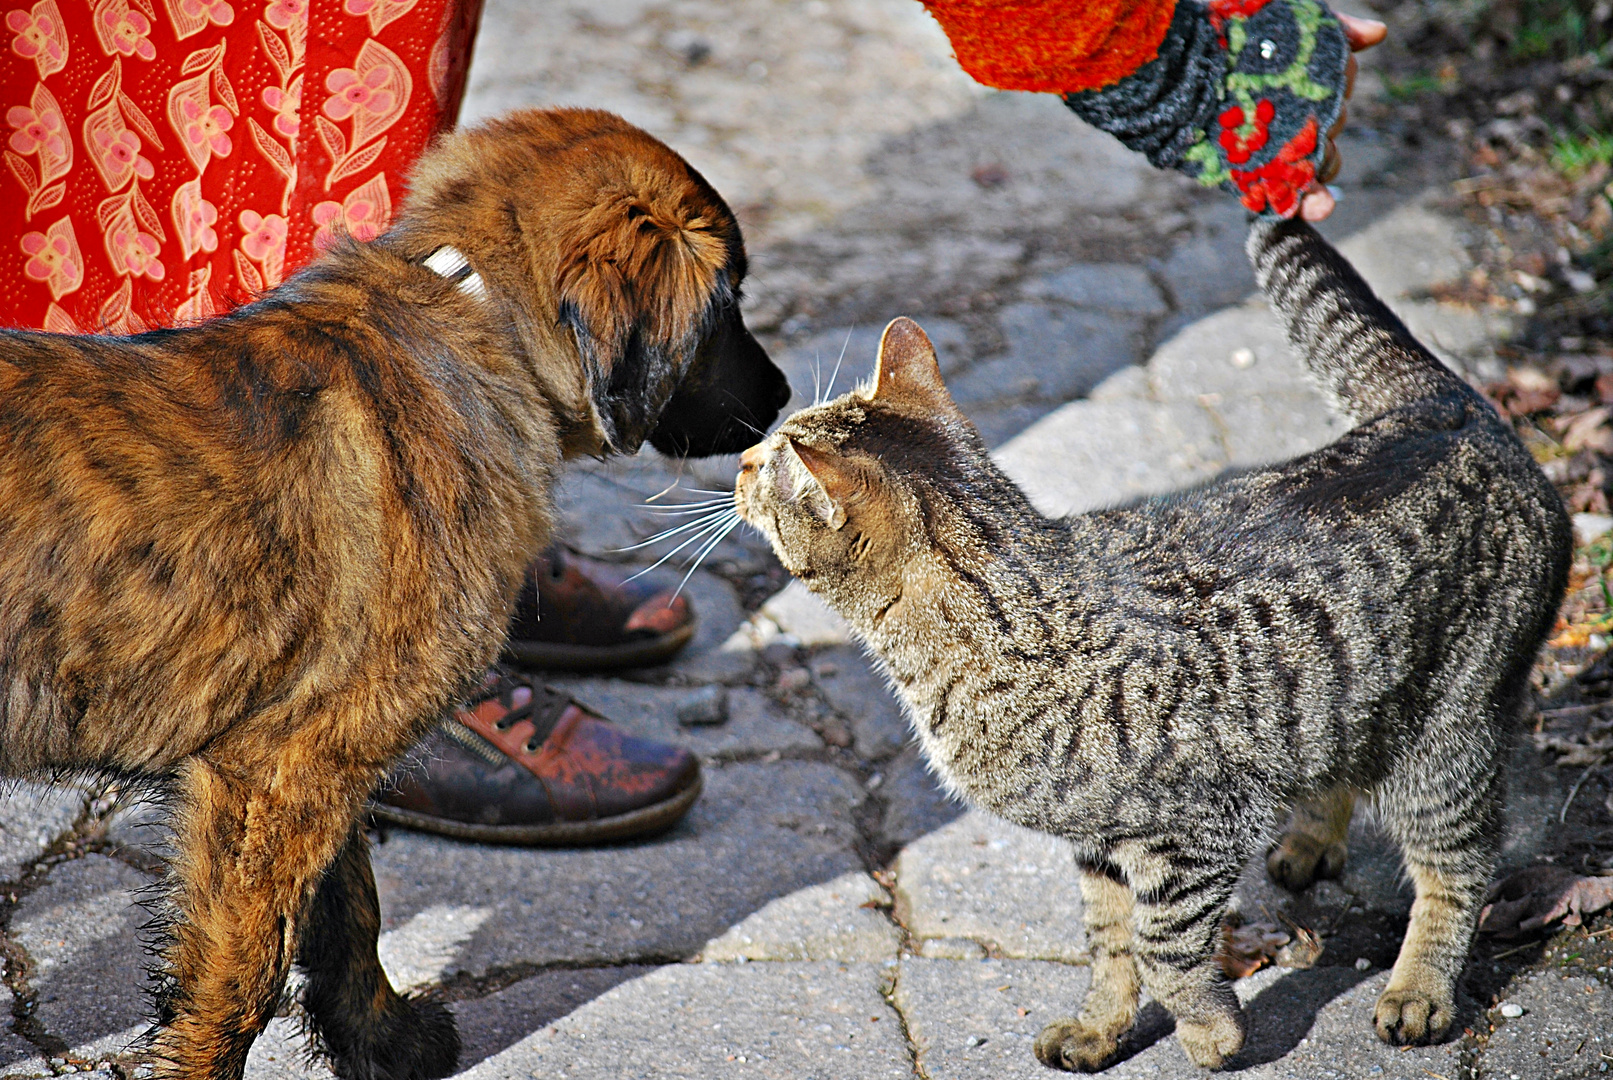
(824,911)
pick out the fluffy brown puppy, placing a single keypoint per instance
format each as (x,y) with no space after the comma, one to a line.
(257,558)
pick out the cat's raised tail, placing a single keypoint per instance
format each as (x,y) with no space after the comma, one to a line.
(1363,356)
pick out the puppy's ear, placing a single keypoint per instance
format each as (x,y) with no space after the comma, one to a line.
(639,277)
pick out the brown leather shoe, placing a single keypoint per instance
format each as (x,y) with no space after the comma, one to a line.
(524,764)
(583,615)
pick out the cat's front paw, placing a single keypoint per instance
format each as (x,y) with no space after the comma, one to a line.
(1411,1017)
(1074,1047)
(1300,860)
(1210,1043)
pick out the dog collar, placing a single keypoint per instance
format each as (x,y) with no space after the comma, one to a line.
(451,263)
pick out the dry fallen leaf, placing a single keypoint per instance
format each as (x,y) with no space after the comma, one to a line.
(1537,895)
(1247,948)
(1302,952)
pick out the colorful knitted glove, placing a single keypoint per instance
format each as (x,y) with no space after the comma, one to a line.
(1240,96)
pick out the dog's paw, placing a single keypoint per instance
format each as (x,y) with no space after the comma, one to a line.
(1074,1047)
(1300,860)
(413,1038)
(1211,1042)
(1411,1017)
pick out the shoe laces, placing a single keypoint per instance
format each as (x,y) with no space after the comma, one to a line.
(544,707)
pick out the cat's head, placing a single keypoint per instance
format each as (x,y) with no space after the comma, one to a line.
(860,495)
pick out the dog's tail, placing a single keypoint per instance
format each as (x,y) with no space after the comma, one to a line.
(1363,357)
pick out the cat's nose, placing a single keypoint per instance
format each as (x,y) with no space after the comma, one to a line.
(752,458)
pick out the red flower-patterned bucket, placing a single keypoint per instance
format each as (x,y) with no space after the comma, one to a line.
(161,165)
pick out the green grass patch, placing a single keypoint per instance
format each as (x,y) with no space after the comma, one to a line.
(1573,154)
(1558,30)
(1412,86)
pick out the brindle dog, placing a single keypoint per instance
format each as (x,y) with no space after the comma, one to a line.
(258,557)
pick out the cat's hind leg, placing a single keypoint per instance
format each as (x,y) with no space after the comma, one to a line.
(1447,822)
(1313,846)
(1085,1043)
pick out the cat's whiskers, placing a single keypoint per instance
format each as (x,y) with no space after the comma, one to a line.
(716,525)
(830,389)
(699,524)
(676,509)
(710,546)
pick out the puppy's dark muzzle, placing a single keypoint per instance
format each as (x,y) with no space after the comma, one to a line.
(727,401)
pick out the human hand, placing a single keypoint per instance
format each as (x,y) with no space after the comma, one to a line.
(1317,201)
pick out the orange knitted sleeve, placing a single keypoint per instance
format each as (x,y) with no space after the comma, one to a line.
(1052,46)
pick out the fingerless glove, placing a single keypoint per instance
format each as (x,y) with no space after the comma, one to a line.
(1240,96)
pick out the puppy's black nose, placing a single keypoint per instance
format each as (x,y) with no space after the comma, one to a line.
(781,396)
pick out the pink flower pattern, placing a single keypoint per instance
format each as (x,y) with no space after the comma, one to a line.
(287,105)
(137,256)
(218,12)
(368,92)
(349,93)
(36,131)
(359,216)
(200,223)
(280,14)
(264,236)
(127,31)
(124,148)
(39,37)
(207,127)
(50,257)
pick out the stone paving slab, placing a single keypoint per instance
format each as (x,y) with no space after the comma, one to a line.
(81,929)
(1054,354)
(754,725)
(847,680)
(1006,888)
(282,1053)
(979,1021)
(32,816)
(1166,445)
(771,1021)
(17,1055)
(915,804)
(1566,1029)
(841,920)
(491,1024)
(1122,288)
(759,832)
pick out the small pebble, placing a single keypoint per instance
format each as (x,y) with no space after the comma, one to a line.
(792,679)
(1512,1010)
(977,1040)
(704,707)
(1363,964)
(1243,358)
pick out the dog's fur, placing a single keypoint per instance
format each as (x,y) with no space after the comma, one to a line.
(259,557)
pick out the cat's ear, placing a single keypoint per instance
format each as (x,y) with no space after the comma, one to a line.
(908,367)
(830,482)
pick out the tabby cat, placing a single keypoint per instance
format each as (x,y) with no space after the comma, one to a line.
(1156,681)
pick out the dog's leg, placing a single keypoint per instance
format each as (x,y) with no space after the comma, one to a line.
(254,837)
(368,1029)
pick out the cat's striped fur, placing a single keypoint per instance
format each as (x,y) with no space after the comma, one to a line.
(1157,682)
